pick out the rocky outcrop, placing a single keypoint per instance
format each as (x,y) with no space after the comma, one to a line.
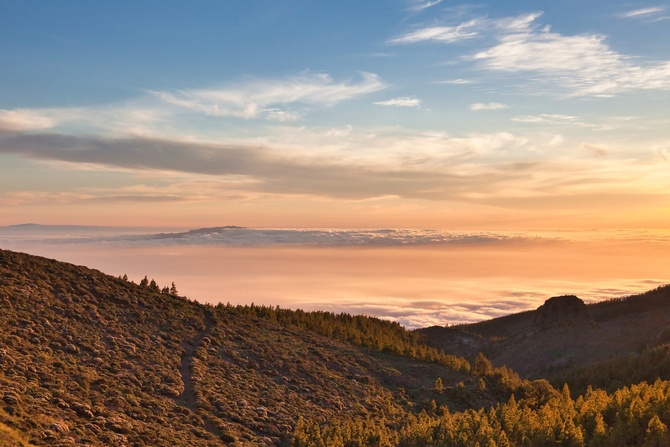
(561,310)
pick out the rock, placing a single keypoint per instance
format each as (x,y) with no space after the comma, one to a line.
(561,310)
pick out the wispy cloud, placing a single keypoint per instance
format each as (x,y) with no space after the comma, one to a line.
(579,65)
(643,12)
(515,24)
(582,64)
(24,119)
(263,98)
(277,100)
(478,27)
(403,101)
(420,5)
(281,116)
(446,34)
(546,118)
(488,106)
(457,81)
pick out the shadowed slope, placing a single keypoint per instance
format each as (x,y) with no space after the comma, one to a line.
(563,333)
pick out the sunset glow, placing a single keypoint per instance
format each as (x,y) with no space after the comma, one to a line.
(529,119)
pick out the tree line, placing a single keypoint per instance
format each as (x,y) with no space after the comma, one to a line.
(635,416)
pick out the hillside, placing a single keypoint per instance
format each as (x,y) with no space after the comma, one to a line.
(89,359)
(564,334)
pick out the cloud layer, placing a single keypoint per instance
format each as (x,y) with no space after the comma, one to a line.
(235,236)
(232,236)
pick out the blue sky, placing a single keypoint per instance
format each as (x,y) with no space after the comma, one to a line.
(363,114)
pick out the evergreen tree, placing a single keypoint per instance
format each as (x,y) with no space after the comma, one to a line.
(438,385)
(482,366)
(657,433)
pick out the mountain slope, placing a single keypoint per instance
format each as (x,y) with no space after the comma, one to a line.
(563,333)
(89,359)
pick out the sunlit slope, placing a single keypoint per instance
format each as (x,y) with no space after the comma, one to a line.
(91,359)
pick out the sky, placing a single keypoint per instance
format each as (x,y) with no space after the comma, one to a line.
(518,149)
(394,113)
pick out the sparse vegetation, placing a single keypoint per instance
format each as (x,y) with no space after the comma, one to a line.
(91,360)
(368,332)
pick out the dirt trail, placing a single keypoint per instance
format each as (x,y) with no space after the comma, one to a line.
(188,397)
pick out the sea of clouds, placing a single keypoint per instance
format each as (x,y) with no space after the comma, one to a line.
(418,277)
(233,236)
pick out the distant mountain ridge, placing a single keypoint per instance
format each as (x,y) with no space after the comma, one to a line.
(196,232)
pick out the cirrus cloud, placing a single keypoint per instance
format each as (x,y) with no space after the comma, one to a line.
(403,101)
(262,98)
(447,34)
(579,65)
(643,12)
(488,106)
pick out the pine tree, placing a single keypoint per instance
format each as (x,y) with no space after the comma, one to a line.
(438,385)
(657,433)
(482,366)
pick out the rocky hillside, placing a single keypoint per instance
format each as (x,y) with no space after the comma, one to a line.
(564,333)
(92,360)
